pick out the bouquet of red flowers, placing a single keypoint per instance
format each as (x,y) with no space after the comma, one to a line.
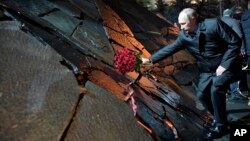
(127,61)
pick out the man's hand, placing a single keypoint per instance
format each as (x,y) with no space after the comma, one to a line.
(146,64)
(242,53)
(220,70)
(145,60)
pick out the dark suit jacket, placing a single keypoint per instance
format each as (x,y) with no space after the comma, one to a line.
(245,21)
(236,26)
(214,44)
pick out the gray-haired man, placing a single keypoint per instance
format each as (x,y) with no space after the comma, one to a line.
(216,48)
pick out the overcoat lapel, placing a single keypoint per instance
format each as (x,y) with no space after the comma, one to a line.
(201,37)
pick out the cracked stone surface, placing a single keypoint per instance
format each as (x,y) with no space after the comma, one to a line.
(102,117)
(38,94)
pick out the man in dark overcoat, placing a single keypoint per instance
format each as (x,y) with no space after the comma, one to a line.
(245,22)
(236,94)
(216,49)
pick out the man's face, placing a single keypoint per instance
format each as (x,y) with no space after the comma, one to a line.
(188,25)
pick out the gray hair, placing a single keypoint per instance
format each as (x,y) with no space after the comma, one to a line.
(190,13)
(228,12)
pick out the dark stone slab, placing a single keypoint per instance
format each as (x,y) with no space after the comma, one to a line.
(62,21)
(35,7)
(88,7)
(37,93)
(132,13)
(93,36)
(68,8)
(10,25)
(166,104)
(103,117)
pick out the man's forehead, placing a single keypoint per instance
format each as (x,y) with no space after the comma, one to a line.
(182,17)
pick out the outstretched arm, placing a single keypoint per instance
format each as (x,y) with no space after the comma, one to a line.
(165,51)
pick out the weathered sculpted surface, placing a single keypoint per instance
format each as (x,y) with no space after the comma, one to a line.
(40,96)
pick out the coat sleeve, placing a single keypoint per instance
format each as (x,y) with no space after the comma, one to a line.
(233,42)
(238,29)
(167,50)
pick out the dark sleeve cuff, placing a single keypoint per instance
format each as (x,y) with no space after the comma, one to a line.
(150,61)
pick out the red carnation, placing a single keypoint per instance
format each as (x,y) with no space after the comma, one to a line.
(127,61)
